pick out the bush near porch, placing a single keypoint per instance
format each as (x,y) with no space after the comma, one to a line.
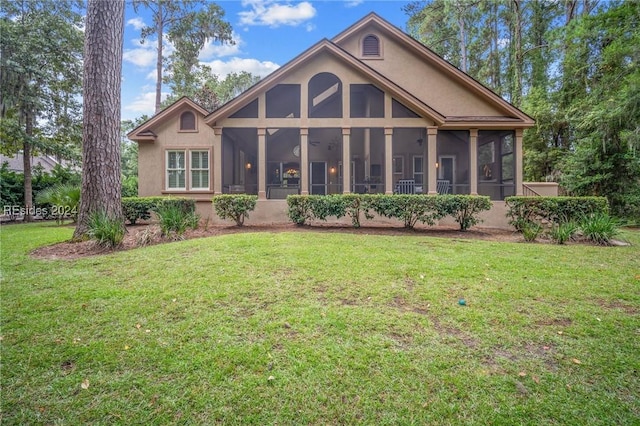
(525,210)
(140,208)
(234,206)
(410,209)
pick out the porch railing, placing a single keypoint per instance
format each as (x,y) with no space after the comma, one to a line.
(527,191)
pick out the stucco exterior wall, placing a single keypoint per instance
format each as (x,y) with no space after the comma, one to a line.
(436,88)
(151,154)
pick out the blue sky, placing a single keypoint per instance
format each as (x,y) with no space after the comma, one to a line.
(268,34)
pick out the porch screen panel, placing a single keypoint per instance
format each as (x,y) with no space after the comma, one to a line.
(368,160)
(496,168)
(453,160)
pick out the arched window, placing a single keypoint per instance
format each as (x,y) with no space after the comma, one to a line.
(187,121)
(371,46)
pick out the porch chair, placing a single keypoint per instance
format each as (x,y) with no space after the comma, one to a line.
(405,186)
(442,186)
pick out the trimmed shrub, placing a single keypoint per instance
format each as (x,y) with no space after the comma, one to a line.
(409,209)
(464,208)
(552,209)
(599,228)
(299,209)
(134,208)
(106,231)
(355,205)
(234,206)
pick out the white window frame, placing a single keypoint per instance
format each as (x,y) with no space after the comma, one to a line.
(200,169)
(183,168)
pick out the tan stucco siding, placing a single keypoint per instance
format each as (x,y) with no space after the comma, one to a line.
(425,81)
(151,155)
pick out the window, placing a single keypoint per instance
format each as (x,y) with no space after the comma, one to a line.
(418,171)
(176,171)
(398,165)
(187,121)
(199,169)
(371,46)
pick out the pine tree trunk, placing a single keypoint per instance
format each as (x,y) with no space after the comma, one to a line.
(101,181)
(159,67)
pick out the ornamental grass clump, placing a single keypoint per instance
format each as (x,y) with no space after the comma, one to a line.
(175,219)
(599,228)
(108,232)
(530,230)
(563,232)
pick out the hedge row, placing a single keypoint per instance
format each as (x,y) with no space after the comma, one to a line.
(410,209)
(134,208)
(526,210)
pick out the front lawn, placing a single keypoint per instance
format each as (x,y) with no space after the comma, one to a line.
(330,328)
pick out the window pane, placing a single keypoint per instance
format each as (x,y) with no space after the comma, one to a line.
(176,179)
(417,164)
(200,179)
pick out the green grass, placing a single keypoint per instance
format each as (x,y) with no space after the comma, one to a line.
(321,328)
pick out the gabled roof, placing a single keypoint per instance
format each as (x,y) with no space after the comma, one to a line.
(326,46)
(144,133)
(434,59)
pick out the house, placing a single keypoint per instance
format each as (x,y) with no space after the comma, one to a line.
(16,163)
(370,111)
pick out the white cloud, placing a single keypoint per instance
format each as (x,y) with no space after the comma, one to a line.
(144,103)
(136,23)
(274,14)
(216,50)
(353,3)
(141,56)
(152,75)
(254,66)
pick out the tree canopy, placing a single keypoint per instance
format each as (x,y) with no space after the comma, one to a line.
(572,65)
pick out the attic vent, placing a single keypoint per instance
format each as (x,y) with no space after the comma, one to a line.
(371,46)
(187,121)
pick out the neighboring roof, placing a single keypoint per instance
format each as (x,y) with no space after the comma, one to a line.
(326,46)
(433,58)
(16,163)
(143,131)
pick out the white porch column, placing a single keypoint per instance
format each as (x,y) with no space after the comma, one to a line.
(217,160)
(346,160)
(432,159)
(388,160)
(304,160)
(262,164)
(519,164)
(473,163)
